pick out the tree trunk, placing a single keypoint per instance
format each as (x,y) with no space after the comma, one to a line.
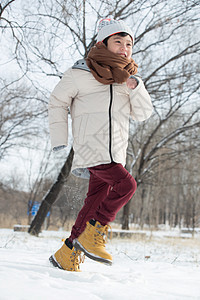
(125,218)
(51,196)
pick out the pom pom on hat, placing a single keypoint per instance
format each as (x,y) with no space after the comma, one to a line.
(108,27)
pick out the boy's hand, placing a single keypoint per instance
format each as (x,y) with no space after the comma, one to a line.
(131,83)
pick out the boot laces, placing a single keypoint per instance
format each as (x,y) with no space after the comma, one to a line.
(78,258)
(102,236)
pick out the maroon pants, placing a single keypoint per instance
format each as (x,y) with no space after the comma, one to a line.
(110,187)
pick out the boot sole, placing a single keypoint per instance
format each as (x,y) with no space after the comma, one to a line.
(92,256)
(54,262)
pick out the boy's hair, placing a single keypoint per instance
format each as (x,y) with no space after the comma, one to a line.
(105,41)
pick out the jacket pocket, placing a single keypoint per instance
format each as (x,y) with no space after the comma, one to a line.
(79,125)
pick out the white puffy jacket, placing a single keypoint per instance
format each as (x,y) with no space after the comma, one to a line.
(100,117)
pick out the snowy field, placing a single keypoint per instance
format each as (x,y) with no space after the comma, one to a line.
(157,268)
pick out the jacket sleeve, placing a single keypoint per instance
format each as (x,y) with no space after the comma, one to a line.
(141,105)
(58,108)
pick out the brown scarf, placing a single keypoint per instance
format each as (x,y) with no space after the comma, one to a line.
(107,67)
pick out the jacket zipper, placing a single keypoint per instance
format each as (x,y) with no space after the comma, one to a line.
(110,124)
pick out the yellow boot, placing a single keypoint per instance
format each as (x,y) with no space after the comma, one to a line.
(67,259)
(92,242)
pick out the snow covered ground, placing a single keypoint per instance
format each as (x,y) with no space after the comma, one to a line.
(144,269)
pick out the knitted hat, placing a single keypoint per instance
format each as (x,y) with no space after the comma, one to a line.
(108,27)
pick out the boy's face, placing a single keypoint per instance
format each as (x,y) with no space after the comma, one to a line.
(121,45)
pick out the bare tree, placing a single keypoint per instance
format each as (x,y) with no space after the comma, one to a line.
(51,196)
(55,34)
(164,63)
(19,116)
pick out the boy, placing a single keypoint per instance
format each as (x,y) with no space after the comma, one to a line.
(102,93)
